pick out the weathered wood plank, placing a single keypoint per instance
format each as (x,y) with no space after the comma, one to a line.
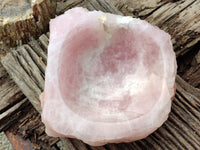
(44,41)
(30,128)
(10,94)
(39,51)
(30,72)
(62,5)
(103,5)
(187,87)
(11,110)
(12,115)
(11,99)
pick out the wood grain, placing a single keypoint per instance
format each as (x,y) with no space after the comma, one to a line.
(11,99)
(9,94)
(32,130)
(11,116)
(189,67)
(103,5)
(180,131)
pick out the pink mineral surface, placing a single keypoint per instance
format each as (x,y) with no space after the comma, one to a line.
(109,78)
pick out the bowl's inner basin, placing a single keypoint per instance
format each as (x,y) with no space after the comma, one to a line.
(116,78)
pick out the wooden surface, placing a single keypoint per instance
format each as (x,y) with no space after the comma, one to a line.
(29,132)
(27,65)
(10,94)
(11,99)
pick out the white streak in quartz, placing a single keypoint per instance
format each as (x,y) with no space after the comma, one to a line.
(124,20)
